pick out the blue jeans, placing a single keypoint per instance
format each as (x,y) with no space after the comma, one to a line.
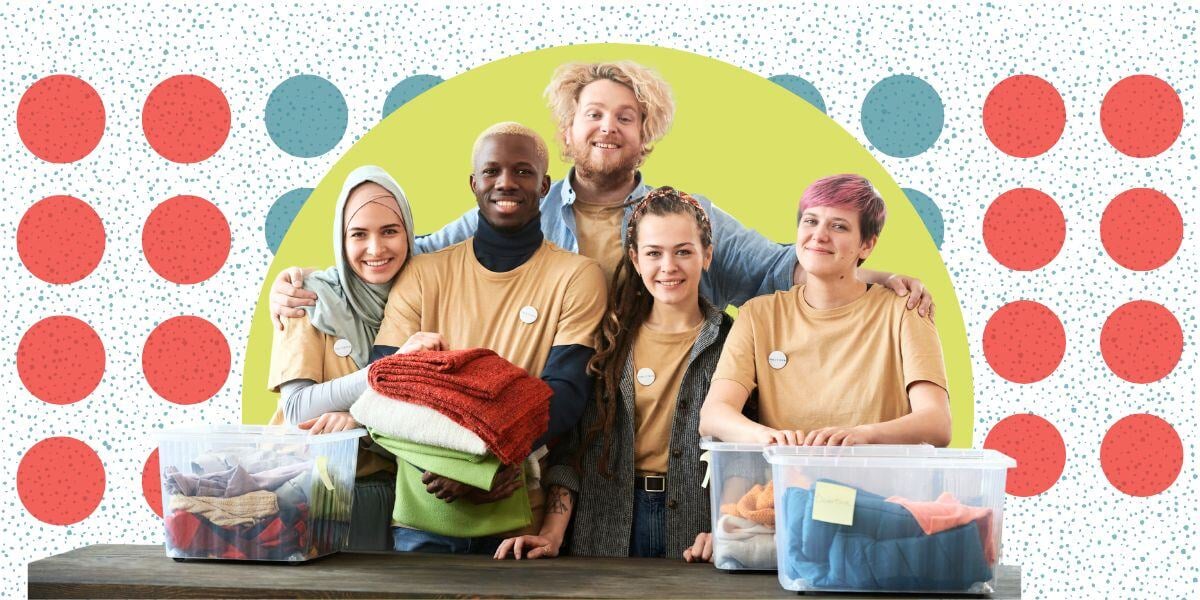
(649,539)
(415,540)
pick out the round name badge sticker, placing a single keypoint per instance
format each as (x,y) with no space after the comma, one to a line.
(777,360)
(528,315)
(342,347)
(645,376)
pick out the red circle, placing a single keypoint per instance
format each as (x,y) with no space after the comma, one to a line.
(60,239)
(1141,229)
(1141,341)
(60,481)
(1141,455)
(186,118)
(60,119)
(186,239)
(1038,448)
(1024,342)
(186,360)
(151,488)
(1141,116)
(60,360)
(1008,224)
(1024,116)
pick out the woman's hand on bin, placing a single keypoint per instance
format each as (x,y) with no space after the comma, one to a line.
(528,546)
(838,436)
(701,551)
(330,422)
(782,437)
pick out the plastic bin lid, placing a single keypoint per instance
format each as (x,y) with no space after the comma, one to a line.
(708,443)
(922,455)
(254,433)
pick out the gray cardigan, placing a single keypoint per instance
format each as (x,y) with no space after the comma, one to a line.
(603,515)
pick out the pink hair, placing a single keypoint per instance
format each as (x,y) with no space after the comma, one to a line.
(848,191)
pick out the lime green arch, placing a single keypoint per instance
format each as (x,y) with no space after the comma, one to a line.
(746,143)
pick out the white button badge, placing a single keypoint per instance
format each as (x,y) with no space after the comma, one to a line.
(342,347)
(645,376)
(777,360)
(528,315)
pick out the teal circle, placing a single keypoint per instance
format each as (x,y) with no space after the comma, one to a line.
(407,90)
(281,215)
(902,116)
(930,214)
(306,116)
(801,87)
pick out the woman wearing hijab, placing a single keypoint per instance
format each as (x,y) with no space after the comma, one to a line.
(318,361)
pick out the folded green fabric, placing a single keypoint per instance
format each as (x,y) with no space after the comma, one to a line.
(418,509)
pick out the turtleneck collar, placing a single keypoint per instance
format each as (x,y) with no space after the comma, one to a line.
(500,251)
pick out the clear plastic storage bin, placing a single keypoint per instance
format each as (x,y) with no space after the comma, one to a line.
(742,506)
(245,492)
(888,518)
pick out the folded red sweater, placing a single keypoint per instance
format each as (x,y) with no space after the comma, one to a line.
(478,372)
(493,398)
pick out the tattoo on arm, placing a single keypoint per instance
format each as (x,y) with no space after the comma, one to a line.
(559,501)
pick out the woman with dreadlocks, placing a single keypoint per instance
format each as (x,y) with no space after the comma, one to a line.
(631,474)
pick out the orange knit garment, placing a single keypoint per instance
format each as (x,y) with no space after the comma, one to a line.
(758,505)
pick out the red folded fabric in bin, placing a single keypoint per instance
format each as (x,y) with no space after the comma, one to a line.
(493,398)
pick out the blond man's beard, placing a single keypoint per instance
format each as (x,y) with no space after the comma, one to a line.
(604,175)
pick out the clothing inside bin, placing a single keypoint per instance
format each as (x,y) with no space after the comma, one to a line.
(745,534)
(251,503)
(885,548)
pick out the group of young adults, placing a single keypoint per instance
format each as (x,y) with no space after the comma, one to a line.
(822,352)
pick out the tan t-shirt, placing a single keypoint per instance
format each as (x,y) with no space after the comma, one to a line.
(555,299)
(599,228)
(845,366)
(302,351)
(659,361)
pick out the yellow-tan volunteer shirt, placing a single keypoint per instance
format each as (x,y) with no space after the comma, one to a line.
(555,299)
(845,366)
(659,361)
(599,234)
(302,351)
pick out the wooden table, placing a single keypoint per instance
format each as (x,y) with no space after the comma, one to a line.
(128,571)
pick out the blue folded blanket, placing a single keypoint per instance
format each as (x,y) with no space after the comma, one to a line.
(884,549)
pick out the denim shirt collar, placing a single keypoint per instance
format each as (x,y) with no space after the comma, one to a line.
(568,192)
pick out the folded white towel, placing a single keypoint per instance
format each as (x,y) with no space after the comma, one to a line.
(414,423)
(743,544)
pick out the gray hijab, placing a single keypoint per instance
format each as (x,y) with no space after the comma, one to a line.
(348,307)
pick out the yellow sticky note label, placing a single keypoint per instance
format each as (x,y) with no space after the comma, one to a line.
(833,503)
(323,471)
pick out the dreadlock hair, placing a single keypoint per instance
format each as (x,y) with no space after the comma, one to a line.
(629,304)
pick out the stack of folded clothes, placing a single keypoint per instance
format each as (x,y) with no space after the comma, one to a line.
(461,414)
(251,504)
(892,544)
(745,535)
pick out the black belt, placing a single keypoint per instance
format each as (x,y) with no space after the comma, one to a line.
(650,483)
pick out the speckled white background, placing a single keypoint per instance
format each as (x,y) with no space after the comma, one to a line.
(1082,537)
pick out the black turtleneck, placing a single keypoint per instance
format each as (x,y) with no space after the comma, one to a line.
(502,251)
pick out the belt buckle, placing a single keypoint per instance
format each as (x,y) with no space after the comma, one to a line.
(659,479)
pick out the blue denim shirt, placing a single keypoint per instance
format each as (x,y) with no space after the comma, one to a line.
(745,264)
